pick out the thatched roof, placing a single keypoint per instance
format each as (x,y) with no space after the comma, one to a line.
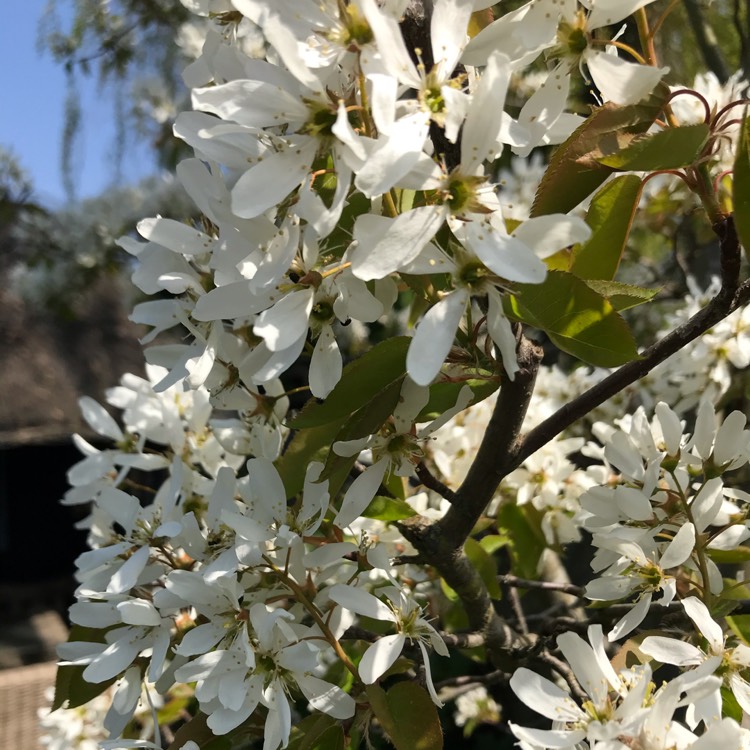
(47,362)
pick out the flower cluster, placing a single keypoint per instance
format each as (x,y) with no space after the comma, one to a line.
(246,547)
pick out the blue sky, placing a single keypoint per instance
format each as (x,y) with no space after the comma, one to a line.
(31,114)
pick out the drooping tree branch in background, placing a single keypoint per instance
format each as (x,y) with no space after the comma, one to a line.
(707,41)
(741,22)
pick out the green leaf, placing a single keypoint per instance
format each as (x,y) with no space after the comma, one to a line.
(71,690)
(493,542)
(736,555)
(622,296)
(443,395)
(388,509)
(741,185)
(485,566)
(729,705)
(740,625)
(366,421)
(317,732)
(305,446)
(528,542)
(573,172)
(199,732)
(577,319)
(668,149)
(610,217)
(408,715)
(361,380)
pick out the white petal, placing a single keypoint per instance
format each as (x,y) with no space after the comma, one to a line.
(620,81)
(699,614)
(267,183)
(707,503)
(127,575)
(543,696)
(545,235)
(99,419)
(394,155)
(434,337)
(479,137)
(549,739)
(139,612)
(385,245)
(450,19)
(380,657)
(680,548)
(281,325)
(323,696)
(501,332)
(672,651)
(631,620)
(363,489)
(361,602)
(504,255)
(326,365)
(254,103)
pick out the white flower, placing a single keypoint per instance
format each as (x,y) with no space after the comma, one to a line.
(405,613)
(732,661)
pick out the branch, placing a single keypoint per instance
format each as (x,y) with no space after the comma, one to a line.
(458,572)
(731,296)
(431,482)
(494,457)
(523,583)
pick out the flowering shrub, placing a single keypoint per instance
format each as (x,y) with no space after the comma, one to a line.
(322,560)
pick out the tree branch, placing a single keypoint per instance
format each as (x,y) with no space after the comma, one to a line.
(731,296)
(494,457)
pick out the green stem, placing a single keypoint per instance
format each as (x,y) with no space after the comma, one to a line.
(315,614)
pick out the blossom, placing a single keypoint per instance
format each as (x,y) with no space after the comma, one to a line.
(728,662)
(400,609)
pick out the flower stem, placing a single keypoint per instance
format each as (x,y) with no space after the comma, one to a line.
(315,614)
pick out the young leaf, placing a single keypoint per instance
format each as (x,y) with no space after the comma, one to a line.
(668,149)
(610,218)
(741,186)
(577,319)
(573,172)
(388,509)
(443,395)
